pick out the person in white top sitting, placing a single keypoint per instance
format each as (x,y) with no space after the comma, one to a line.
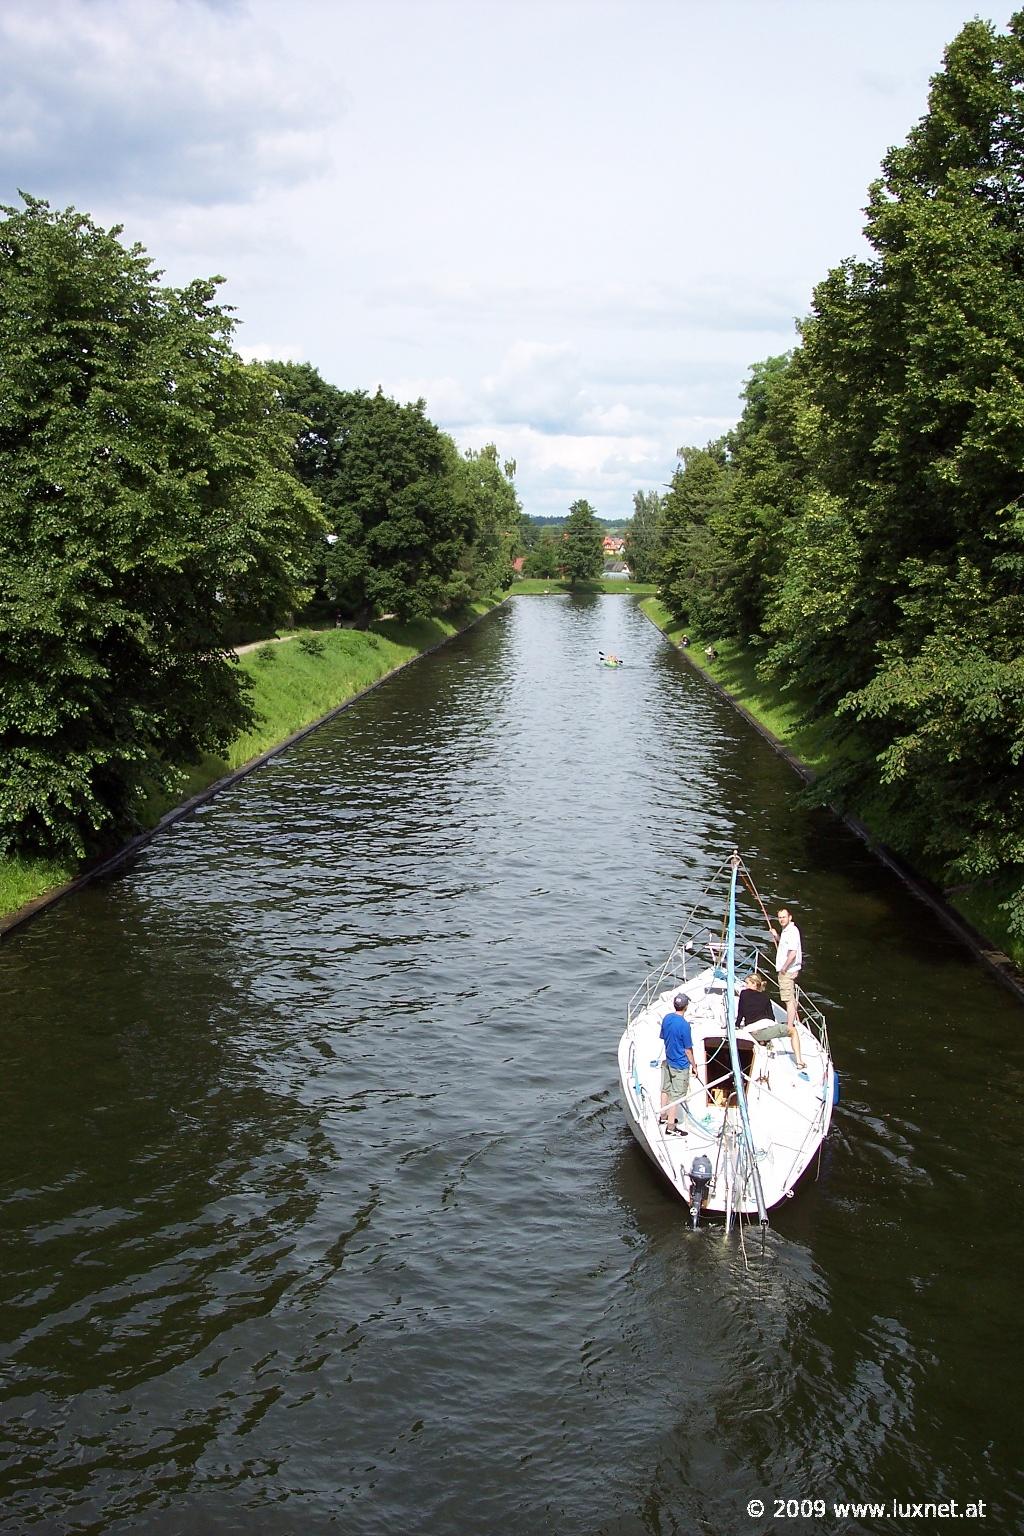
(788,960)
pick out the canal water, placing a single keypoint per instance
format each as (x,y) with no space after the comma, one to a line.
(319,1210)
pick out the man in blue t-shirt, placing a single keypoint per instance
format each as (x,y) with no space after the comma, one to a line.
(675,1069)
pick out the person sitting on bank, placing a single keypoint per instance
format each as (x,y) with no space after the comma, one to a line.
(754,1004)
(678,1063)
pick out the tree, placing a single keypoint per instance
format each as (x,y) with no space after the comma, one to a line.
(866,515)
(384,472)
(147,506)
(914,362)
(695,560)
(582,549)
(528,534)
(643,536)
(545,558)
(770,458)
(483,488)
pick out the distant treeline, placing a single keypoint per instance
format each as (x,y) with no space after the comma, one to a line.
(536,529)
(864,523)
(613,525)
(160,499)
(568,549)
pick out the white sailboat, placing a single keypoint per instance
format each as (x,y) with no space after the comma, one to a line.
(753,1121)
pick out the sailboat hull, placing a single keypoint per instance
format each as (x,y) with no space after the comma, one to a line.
(789,1113)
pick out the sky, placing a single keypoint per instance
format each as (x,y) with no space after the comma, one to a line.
(570,226)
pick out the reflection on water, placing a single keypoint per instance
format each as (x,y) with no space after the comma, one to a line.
(320,1212)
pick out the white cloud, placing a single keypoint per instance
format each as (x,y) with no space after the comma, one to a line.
(570,226)
(552,471)
(166,100)
(703,301)
(448,399)
(538,382)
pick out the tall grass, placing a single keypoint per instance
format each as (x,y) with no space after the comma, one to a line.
(295,680)
(294,685)
(22,880)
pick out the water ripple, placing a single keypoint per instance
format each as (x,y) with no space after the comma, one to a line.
(319,1209)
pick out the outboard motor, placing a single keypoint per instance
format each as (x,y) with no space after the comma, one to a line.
(700,1182)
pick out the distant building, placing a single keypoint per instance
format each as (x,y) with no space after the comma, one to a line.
(517,565)
(613,545)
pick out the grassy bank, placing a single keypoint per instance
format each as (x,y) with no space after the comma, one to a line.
(296,680)
(536,586)
(789,717)
(784,714)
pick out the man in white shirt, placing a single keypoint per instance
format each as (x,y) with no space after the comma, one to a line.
(788,960)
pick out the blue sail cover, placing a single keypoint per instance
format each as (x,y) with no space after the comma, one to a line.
(734,1055)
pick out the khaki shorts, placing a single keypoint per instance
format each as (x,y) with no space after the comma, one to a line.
(769,1032)
(787,986)
(675,1081)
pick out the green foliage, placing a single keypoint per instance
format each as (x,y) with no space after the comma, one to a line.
(643,536)
(545,558)
(582,550)
(482,490)
(952,711)
(24,879)
(770,455)
(865,516)
(147,505)
(527,536)
(932,323)
(726,519)
(696,562)
(400,531)
(810,621)
(413,528)
(793,719)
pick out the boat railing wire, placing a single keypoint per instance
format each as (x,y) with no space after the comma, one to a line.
(811,1016)
(704,948)
(673,975)
(673,972)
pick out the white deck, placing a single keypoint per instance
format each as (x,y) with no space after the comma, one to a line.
(789,1114)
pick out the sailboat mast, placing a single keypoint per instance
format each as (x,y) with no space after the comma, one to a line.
(734,1055)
